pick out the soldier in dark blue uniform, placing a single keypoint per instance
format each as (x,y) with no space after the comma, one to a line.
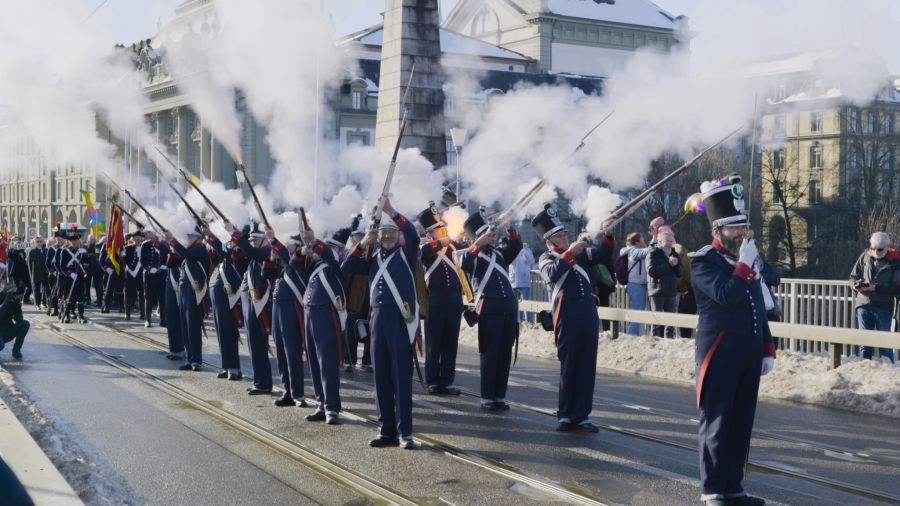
(495,304)
(225,296)
(326,317)
(71,269)
(94,277)
(152,276)
(394,321)
(53,273)
(171,267)
(338,244)
(133,275)
(256,304)
(111,280)
(576,327)
(445,305)
(734,344)
(288,320)
(192,294)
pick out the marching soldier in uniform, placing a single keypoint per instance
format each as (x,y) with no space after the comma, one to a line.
(495,305)
(192,293)
(153,278)
(53,273)
(133,276)
(326,317)
(445,304)
(111,281)
(255,304)
(576,326)
(37,265)
(288,322)
(734,344)
(94,278)
(394,320)
(72,272)
(338,244)
(171,313)
(225,295)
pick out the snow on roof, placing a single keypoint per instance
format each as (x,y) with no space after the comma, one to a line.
(632,12)
(451,42)
(804,96)
(795,63)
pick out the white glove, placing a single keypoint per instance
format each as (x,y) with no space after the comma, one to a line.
(74,276)
(153,270)
(748,253)
(768,364)
(109,270)
(82,250)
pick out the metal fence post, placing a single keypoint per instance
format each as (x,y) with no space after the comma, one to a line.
(614,325)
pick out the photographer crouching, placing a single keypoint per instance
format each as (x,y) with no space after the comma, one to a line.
(13,326)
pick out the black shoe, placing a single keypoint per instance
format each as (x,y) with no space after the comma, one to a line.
(16,354)
(146,325)
(490,406)
(434,390)
(409,444)
(588,427)
(563,426)
(368,368)
(82,320)
(185,367)
(174,356)
(715,502)
(284,401)
(451,391)
(348,368)
(104,310)
(501,405)
(196,367)
(235,376)
(127,317)
(332,419)
(382,441)
(318,416)
(745,500)
(258,391)
(222,375)
(302,403)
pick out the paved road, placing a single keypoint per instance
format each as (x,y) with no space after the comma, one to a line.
(170,454)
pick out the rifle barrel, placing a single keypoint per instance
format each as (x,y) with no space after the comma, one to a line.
(259,209)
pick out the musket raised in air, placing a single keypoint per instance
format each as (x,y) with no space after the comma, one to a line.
(194,185)
(240,173)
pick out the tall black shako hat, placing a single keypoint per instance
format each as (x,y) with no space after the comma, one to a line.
(339,238)
(723,202)
(255,232)
(429,218)
(73,231)
(476,224)
(546,223)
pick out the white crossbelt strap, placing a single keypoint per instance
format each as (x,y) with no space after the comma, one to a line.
(259,304)
(198,294)
(293,286)
(492,266)
(441,258)
(337,302)
(382,272)
(233,295)
(175,287)
(559,283)
(137,268)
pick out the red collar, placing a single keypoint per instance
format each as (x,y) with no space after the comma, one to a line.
(721,249)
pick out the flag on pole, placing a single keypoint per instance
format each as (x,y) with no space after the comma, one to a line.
(95,222)
(115,239)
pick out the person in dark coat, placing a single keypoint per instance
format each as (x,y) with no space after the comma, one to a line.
(133,273)
(576,326)
(13,325)
(358,310)
(394,248)
(225,297)
(37,266)
(94,277)
(71,270)
(495,305)
(171,267)
(153,278)
(873,280)
(445,305)
(289,320)
(734,346)
(192,295)
(18,269)
(56,245)
(663,270)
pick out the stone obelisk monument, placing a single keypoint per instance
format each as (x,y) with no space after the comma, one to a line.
(412,35)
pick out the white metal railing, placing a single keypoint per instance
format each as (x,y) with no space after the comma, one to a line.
(813,303)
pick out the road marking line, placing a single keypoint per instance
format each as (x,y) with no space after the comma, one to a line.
(644,468)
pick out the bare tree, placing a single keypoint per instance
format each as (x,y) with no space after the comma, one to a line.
(870,142)
(783,194)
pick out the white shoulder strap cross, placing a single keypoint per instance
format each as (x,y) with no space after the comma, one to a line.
(559,283)
(233,295)
(492,266)
(293,286)
(441,258)
(198,293)
(335,300)
(258,301)
(382,272)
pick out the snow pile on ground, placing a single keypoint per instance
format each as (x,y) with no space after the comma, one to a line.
(869,386)
(91,482)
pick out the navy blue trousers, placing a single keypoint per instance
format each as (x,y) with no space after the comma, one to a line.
(173,318)
(727,409)
(288,346)
(577,334)
(496,335)
(258,342)
(191,324)
(323,335)
(442,340)
(226,327)
(352,338)
(152,290)
(392,361)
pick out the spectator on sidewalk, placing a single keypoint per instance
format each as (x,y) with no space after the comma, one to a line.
(13,326)
(686,302)
(663,270)
(872,278)
(636,251)
(653,228)
(520,275)
(37,267)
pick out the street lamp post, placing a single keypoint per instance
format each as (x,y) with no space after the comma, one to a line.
(458,136)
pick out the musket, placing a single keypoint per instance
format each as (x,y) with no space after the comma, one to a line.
(146,212)
(197,218)
(621,213)
(137,222)
(378,209)
(196,187)
(242,178)
(504,216)
(125,212)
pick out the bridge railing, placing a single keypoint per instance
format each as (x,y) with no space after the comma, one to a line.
(818,316)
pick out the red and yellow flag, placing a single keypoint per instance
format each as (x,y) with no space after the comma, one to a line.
(115,238)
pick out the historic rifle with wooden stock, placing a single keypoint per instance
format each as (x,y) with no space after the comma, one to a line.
(194,185)
(240,173)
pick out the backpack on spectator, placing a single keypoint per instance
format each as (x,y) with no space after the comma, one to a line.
(622,269)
